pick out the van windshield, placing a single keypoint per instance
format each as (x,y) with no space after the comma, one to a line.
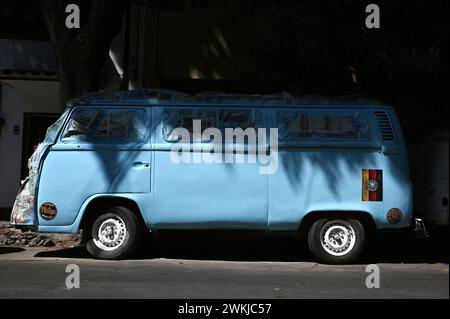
(106,125)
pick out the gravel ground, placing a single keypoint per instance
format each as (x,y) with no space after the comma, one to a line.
(16,238)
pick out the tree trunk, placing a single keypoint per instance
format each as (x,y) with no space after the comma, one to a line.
(82,53)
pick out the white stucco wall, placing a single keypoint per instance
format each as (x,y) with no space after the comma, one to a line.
(19,96)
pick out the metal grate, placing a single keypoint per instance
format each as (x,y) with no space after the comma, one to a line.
(385,125)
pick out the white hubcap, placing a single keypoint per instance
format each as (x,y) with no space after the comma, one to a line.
(337,237)
(111,234)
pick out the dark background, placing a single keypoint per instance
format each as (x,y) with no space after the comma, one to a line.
(305,47)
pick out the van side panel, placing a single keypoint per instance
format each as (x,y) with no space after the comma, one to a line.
(73,173)
(332,181)
(202,196)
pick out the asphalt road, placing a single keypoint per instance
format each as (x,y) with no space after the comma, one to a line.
(226,267)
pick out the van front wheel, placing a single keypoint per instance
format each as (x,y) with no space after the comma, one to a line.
(336,241)
(114,234)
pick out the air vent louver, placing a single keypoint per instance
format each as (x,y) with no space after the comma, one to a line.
(385,125)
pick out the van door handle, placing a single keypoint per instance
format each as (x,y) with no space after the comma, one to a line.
(140,165)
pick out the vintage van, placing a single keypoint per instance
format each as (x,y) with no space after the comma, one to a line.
(330,169)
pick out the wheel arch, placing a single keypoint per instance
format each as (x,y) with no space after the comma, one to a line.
(364,217)
(103,202)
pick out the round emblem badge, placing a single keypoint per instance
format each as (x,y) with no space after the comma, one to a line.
(372,185)
(48,211)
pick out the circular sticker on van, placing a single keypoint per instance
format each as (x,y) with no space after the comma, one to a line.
(48,210)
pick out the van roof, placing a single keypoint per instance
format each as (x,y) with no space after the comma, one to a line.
(169,97)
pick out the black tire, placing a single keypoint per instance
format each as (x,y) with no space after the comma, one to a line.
(348,253)
(126,236)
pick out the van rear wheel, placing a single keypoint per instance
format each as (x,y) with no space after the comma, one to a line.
(336,241)
(114,234)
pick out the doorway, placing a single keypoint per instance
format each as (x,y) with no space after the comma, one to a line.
(34,129)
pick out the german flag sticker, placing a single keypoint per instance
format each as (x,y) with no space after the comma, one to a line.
(372,185)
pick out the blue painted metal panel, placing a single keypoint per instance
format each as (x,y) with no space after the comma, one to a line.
(143,201)
(69,177)
(332,181)
(209,195)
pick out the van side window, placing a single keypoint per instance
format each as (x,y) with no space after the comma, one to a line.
(102,125)
(298,125)
(172,119)
(175,118)
(243,118)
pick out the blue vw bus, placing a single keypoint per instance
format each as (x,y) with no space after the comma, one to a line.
(330,169)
